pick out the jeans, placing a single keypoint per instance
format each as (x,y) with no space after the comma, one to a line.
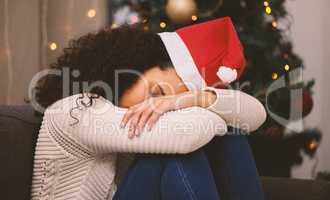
(223,169)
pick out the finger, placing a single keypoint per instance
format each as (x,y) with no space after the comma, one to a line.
(143,119)
(133,123)
(129,113)
(131,130)
(152,120)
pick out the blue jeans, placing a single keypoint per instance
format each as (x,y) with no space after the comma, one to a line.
(223,169)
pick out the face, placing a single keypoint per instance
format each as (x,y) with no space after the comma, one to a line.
(154,82)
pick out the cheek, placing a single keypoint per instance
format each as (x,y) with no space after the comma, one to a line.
(174,86)
(181,88)
(132,97)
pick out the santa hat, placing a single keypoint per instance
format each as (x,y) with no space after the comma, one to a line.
(206,54)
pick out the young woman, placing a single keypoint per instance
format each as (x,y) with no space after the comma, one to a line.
(75,156)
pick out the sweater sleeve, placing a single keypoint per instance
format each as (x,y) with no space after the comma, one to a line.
(238,109)
(97,128)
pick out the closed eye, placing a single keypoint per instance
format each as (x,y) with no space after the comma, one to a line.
(160,92)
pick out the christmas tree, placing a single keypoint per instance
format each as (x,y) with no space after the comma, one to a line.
(273,73)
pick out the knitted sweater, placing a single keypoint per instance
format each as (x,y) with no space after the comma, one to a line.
(77,160)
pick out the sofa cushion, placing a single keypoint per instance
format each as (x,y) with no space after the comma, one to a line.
(295,189)
(18,134)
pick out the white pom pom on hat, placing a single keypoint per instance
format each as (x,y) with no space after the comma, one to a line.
(226,74)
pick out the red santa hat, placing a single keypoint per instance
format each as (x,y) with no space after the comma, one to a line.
(206,54)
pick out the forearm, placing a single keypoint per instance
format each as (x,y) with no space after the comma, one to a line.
(176,132)
(237,108)
(99,129)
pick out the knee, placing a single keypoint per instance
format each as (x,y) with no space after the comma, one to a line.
(229,145)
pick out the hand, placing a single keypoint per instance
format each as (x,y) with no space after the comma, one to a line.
(149,111)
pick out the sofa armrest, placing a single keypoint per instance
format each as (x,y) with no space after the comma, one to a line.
(18,134)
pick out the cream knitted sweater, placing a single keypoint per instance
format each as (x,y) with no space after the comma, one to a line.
(78,161)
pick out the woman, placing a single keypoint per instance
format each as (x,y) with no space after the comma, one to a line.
(61,172)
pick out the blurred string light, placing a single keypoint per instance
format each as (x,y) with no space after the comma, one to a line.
(286,67)
(268,10)
(194,18)
(274,24)
(53,46)
(274,76)
(162,25)
(313,145)
(266,3)
(91,13)
(114,25)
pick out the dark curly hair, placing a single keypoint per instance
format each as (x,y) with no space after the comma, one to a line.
(97,56)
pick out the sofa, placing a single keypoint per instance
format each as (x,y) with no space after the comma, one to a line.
(18,135)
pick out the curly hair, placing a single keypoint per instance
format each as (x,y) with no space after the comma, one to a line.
(97,56)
